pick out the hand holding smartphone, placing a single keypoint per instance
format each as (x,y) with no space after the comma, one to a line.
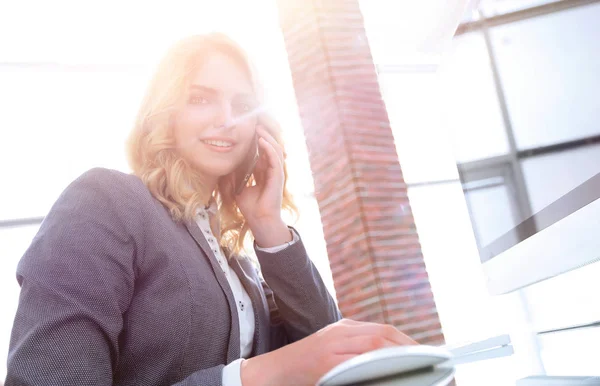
(261,204)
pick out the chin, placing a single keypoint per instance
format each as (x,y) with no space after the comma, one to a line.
(214,171)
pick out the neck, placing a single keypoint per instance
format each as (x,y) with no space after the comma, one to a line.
(204,184)
(207,193)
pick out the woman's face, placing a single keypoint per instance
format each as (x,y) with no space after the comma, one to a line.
(216,126)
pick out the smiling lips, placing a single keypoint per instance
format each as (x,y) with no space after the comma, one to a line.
(220,145)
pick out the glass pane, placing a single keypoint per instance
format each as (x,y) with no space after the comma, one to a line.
(471,12)
(396,30)
(572,353)
(421,142)
(549,71)
(549,177)
(56,125)
(491,212)
(498,7)
(14,242)
(469,101)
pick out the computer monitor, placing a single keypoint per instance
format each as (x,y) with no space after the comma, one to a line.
(562,236)
(520,100)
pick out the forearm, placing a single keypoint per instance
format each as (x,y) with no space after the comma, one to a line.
(303,301)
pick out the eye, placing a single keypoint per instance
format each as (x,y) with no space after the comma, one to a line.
(243,107)
(198,100)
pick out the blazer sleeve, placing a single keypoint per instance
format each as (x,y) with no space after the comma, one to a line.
(77,279)
(297,296)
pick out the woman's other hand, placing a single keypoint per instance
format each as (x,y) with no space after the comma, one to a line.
(261,204)
(304,362)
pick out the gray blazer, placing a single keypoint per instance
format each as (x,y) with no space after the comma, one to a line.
(113,291)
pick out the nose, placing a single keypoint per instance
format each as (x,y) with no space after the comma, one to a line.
(224,116)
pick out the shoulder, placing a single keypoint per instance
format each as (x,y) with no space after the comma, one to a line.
(108,180)
(101,192)
(107,184)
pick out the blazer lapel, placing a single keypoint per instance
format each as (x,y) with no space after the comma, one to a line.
(261,309)
(196,233)
(233,350)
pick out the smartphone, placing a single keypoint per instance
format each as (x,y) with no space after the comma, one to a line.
(244,172)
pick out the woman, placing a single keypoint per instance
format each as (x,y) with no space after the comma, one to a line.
(139,279)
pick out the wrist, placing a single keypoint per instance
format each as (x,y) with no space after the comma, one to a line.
(272,233)
(258,371)
(248,373)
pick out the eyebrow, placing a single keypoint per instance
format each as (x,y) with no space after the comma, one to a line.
(197,87)
(212,91)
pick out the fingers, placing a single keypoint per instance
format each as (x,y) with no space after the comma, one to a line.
(273,163)
(273,175)
(386,331)
(263,133)
(273,158)
(357,345)
(261,166)
(350,322)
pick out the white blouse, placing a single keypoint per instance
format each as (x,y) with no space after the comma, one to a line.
(245,312)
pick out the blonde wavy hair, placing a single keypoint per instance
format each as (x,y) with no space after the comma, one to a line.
(151,148)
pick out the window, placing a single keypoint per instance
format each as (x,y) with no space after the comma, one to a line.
(492,201)
(399,31)
(549,71)
(412,104)
(57,125)
(470,107)
(498,7)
